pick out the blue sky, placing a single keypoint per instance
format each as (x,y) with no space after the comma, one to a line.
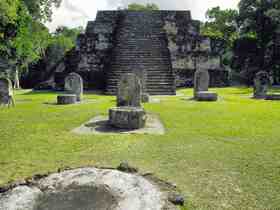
(74,13)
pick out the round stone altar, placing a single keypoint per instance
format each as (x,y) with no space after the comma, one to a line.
(127,117)
(87,188)
(66,99)
(206,96)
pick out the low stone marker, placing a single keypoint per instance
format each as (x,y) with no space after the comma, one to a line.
(145,98)
(261,84)
(6,92)
(201,85)
(128,114)
(74,85)
(66,99)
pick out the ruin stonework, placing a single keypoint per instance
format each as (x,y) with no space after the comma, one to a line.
(128,114)
(74,85)
(261,84)
(6,92)
(159,46)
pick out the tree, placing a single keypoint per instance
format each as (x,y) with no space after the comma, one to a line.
(142,7)
(260,18)
(221,24)
(41,9)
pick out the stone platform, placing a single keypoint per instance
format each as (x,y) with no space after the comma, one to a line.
(206,96)
(273,97)
(99,125)
(127,117)
(66,99)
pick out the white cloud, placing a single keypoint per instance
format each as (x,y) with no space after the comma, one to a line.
(73,13)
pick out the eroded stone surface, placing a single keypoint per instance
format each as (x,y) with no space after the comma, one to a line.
(206,96)
(129,91)
(201,81)
(261,84)
(74,85)
(6,92)
(66,99)
(127,117)
(87,188)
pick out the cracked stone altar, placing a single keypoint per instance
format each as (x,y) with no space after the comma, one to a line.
(160,44)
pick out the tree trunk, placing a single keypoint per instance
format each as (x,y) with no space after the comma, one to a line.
(16,80)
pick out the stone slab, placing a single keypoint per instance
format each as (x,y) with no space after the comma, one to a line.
(99,125)
(127,117)
(273,97)
(206,96)
(66,99)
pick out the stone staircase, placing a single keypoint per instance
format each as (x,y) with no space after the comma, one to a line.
(141,45)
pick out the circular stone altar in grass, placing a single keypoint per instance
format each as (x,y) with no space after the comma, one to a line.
(87,189)
(206,96)
(66,99)
(127,117)
(273,97)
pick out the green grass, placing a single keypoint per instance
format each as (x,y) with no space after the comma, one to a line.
(222,155)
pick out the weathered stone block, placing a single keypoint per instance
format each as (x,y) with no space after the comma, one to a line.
(127,117)
(273,97)
(66,99)
(206,96)
(201,81)
(129,91)
(6,92)
(145,98)
(74,85)
(261,83)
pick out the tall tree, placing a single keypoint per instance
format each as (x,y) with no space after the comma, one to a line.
(260,18)
(221,24)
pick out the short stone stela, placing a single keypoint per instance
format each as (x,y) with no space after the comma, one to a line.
(128,114)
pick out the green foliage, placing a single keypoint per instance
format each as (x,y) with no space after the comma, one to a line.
(260,17)
(41,9)
(62,41)
(221,24)
(142,7)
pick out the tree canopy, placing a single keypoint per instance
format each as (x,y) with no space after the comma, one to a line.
(221,24)
(142,7)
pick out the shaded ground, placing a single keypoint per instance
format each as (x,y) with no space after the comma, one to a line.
(99,125)
(223,155)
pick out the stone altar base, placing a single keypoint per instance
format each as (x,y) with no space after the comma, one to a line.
(66,99)
(99,125)
(127,117)
(273,97)
(206,96)
(145,98)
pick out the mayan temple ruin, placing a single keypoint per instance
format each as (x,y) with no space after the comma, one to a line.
(163,48)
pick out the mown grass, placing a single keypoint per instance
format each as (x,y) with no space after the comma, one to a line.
(222,155)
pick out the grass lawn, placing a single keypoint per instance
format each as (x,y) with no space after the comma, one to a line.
(222,155)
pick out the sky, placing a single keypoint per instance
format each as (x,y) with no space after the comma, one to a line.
(74,13)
